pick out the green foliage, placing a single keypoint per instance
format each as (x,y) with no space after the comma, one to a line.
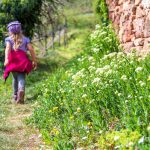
(104,40)
(102,91)
(1,56)
(123,139)
(25,11)
(101,10)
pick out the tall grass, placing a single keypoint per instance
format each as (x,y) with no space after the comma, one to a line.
(101,100)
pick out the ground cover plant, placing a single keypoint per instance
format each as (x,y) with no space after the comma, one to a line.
(99,100)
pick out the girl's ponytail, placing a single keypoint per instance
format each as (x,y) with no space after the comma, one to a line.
(17,38)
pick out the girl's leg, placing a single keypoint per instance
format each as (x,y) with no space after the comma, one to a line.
(15,85)
(21,87)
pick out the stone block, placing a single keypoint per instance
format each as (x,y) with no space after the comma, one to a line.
(127,46)
(138,26)
(145,4)
(132,17)
(120,34)
(137,2)
(139,42)
(146,44)
(147,26)
(133,10)
(127,36)
(112,16)
(120,2)
(122,19)
(117,20)
(126,6)
(140,12)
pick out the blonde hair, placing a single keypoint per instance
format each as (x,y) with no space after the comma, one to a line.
(17,39)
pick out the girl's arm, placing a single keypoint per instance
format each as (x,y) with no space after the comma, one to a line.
(32,53)
(7,51)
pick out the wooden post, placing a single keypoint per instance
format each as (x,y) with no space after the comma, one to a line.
(65,32)
(53,36)
(59,35)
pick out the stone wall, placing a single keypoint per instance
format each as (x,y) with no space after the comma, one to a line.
(131,20)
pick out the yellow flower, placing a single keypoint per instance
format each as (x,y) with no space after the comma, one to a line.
(61,104)
(78,109)
(50,111)
(55,131)
(148,78)
(55,108)
(89,123)
(71,117)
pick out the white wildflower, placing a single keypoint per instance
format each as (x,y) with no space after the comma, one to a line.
(110,81)
(78,109)
(93,63)
(117,147)
(97,26)
(99,71)
(120,54)
(111,55)
(95,50)
(119,94)
(107,67)
(141,83)
(124,77)
(79,59)
(101,131)
(97,91)
(90,58)
(129,144)
(105,57)
(141,97)
(109,72)
(138,69)
(84,85)
(107,85)
(141,140)
(115,66)
(116,92)
(84,138)
(148,128)
(132,62)
(84,96)
(116,138)
(129,96)
(91,68)
(96,80)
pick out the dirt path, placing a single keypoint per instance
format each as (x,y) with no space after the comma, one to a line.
(15,134)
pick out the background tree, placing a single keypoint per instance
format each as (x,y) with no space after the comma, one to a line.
(28,12)
(25,11)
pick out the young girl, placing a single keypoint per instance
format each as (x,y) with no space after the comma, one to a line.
(16,60)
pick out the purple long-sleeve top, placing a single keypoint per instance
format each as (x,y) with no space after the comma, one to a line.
(23,46)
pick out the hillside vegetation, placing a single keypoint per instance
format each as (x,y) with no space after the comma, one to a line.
(100,99)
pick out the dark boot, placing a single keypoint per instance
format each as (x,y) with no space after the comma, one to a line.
(14,98)
(20,98)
